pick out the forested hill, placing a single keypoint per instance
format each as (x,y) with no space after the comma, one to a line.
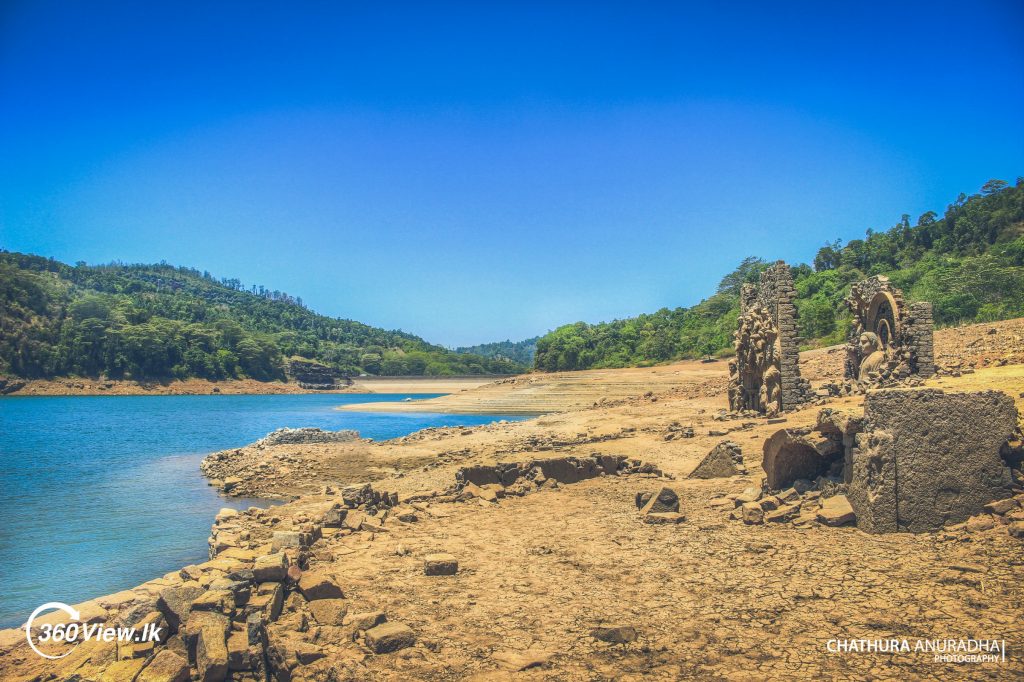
(160,321)
(521,352)
(969,263)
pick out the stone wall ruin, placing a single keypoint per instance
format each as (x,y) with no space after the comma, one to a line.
(765,375)
(916,461)
(889,339)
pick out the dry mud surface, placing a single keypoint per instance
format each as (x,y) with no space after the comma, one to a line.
(708,598)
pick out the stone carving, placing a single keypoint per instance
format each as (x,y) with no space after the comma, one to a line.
(889,339)
(915,461)
(765,376)
(927,458)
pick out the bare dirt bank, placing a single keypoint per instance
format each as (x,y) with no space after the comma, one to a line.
(960,348)
(541,393)
(87,386)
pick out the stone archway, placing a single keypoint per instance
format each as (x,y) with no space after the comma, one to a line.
(882,318)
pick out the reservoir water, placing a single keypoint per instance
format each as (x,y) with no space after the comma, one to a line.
(102,493)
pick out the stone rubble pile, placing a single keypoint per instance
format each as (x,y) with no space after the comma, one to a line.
(677,430)
(266,607)
(237,535)
(957,455)
(520,478)
(305,436)
(804,504)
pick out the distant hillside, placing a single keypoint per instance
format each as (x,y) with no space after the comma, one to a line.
(160,321)
(969,263)
(521,352)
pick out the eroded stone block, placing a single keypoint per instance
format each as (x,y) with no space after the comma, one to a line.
(927,458)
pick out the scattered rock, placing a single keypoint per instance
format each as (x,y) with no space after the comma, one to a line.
(1001,506)
(786,512)
(166,666)
(285,540)
(522,660)
(980,523)
(329,611)
(617,634)
(389,637)
(836,511)
(270,568)
(335,517)
(211,655)
(751,513)
(238,651)
(175,603)
(666,500)
(316,585)
(365,620)
(440,564)
(664,518)
(751,494)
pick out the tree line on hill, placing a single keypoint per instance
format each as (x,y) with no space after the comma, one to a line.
(163,322)
(521,352)
(969,263)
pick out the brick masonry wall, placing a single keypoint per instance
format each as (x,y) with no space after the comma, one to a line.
(776,292)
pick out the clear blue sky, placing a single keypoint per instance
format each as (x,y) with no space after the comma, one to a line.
(471,172)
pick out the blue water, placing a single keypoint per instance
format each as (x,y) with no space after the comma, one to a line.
(99,494)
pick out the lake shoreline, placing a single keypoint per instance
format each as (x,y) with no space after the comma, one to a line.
(125,457)
(83,386)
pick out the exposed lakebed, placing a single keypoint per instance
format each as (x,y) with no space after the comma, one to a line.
(99,494)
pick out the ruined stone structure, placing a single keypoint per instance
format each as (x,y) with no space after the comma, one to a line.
(765,376)
(888,339)
(927,458)
(915,461)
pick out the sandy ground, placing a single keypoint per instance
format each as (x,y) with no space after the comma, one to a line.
(711,598)
(541,393)
(970,347)
(417,384)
